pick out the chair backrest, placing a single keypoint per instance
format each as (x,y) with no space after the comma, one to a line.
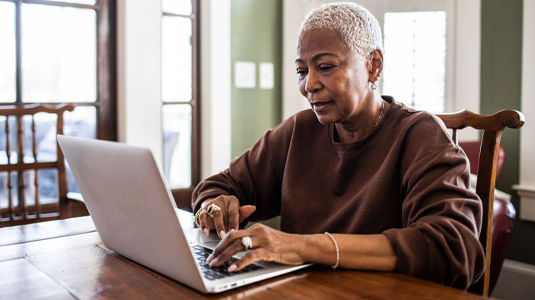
(503,216)
(33,180)
(492,127)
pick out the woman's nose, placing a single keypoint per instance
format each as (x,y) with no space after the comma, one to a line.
(312,84)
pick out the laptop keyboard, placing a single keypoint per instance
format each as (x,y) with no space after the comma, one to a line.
(201,254)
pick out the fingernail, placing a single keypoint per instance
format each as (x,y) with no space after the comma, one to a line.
(222,234)
(206,231)
(213,262)
(254,206)
(232,268)
(209,259)
(232,230)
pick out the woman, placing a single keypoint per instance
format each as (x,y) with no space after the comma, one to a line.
(386,180)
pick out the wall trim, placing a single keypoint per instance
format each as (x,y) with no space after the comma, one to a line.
(527,202)
(519,267)
(515,281)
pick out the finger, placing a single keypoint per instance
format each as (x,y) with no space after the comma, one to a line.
(233,214)
(226,253)
(249,258)
(246,211)
(217,217)
(207,223)
(229,239)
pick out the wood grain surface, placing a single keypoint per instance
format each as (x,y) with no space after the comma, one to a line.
(69,262)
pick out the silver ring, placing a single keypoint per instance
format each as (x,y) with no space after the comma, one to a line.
(247,242)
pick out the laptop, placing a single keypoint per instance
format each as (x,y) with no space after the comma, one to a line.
(136,216)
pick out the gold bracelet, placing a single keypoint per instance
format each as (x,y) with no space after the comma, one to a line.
(337,251)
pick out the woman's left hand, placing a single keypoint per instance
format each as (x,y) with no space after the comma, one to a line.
(267,244)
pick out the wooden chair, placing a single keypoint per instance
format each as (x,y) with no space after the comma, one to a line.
(23,169)
(492,127)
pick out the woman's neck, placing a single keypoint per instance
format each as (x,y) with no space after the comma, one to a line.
(363,124)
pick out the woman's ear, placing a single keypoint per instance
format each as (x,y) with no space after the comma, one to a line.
(375,64)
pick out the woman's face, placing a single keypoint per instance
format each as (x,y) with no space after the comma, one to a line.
(331,77)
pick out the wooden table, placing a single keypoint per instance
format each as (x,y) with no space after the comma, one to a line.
(65,259)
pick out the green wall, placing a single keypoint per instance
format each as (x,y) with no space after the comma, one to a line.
(256,36)
(501,69)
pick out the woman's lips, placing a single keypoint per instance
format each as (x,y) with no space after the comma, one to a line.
(321,106)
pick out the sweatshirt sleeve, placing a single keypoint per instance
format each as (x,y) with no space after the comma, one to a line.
(255,177)
(439,240)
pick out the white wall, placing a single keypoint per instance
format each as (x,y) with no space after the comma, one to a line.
(467,61)
(294,11)
(526,188)
(215,86)
(139,74)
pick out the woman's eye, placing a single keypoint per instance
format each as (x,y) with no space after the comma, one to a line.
(301,71)
(326,67)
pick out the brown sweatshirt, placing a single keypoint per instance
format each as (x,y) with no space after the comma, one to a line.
(406,180)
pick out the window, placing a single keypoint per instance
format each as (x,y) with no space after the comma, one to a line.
(415,60)
(180,100)
(59,52)
(419,43)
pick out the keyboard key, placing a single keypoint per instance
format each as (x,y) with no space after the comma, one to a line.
(201,253)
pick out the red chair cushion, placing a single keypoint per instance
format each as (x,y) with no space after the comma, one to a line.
(471,148)
(502,228)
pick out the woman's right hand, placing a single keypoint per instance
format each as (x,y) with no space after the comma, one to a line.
(222,214)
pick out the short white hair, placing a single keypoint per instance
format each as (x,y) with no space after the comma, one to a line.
(359,29)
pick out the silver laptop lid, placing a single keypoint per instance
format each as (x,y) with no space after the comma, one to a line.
(131,206)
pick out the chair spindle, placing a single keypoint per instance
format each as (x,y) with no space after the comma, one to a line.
(21,177)
(10,209)
(454,137)
(37,205)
